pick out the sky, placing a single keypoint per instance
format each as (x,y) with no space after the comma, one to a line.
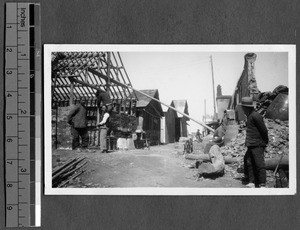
(188,75)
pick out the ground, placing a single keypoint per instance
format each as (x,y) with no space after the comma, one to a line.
(161,166)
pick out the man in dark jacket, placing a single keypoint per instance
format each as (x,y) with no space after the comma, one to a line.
(256,141)
(77,119)
(103,99)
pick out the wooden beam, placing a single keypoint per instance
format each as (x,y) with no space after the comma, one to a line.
(95,72)
(71,93)
(86,84)
(75,85)
(129,87)
(108,72)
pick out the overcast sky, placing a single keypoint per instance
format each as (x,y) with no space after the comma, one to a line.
(188,75)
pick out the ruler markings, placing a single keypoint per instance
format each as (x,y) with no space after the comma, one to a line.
(21,73)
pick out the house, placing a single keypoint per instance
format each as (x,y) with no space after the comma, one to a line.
(149,113)
(180,120)
(167,134)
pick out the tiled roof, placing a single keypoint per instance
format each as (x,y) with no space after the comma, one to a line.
(143,101)
(182,106)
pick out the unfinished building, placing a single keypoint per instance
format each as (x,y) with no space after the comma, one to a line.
(81,76)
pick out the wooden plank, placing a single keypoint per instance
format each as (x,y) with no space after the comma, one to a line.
(71,93)
(108,72)
(86,84)
(95,72)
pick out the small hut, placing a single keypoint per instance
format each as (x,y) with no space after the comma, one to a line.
(149,113)
(181,121)
(168,125)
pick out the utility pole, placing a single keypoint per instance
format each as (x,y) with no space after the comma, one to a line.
(213,86)
(205,111)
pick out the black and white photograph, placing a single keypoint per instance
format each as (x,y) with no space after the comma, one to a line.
(170,119)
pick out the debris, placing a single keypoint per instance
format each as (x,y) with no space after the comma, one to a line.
(270,162)
(71,169)
(279,108)
(206,158)
(214,168)
(265,99)
(278,141)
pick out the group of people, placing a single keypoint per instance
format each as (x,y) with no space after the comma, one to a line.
(256,136)
(77,118)
(256,142)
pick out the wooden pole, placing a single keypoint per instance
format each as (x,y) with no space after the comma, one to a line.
(198,122)
(71,93)
(124,85)
(56,121)
(205,111)
(108,72)
(213,86)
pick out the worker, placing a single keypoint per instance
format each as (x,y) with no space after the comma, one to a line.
(77,119)
(225,118)
(256,141)
(198,136)
(104,125)
(103,98)
(218,138)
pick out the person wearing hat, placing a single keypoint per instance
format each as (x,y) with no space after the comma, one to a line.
(104,126)
(77,119)
(256,141)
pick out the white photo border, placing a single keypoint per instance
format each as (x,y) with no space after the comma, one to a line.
(151,191)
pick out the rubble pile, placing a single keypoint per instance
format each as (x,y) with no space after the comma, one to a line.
(278,140)
(266,98)
(236,147)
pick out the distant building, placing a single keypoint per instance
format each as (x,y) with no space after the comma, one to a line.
(167,123)
(149,113)
(181,121)
(223,102)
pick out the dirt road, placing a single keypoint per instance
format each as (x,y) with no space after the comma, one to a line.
(161,166)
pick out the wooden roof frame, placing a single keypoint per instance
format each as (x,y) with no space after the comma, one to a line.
(82,74)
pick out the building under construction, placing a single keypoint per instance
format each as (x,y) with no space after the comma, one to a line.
(81,76)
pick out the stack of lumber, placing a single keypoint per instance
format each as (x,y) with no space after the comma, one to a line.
(64,174)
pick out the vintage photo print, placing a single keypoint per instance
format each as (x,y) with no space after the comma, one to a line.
(170,119)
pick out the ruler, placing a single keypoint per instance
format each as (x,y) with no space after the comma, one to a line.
(22,115)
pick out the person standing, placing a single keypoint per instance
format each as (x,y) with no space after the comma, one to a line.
(77,119)
(256,141)
(198,136)
(225,118)
(104,125)
(103,98)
